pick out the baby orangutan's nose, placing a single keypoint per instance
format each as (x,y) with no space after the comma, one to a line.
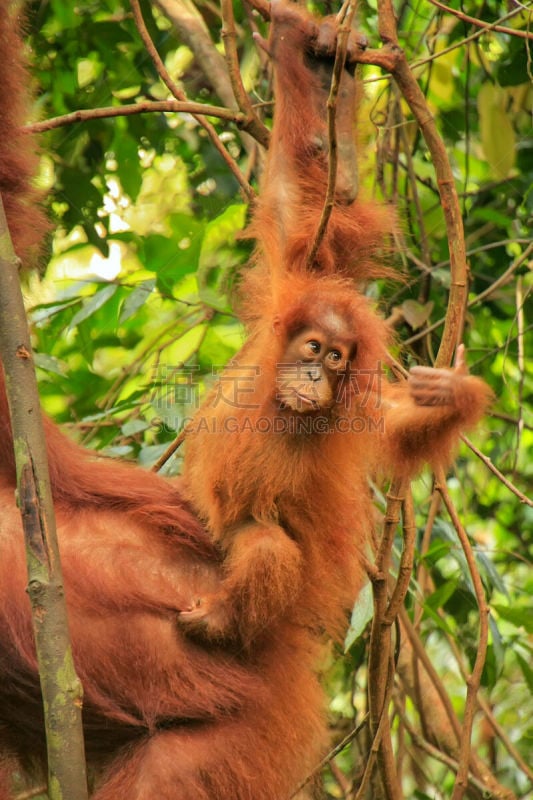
(314,373)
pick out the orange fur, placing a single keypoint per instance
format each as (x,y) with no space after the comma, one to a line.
(417,434)
(280,518)
(19,155)
(295,180)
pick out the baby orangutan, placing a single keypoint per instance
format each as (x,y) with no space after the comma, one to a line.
(279,475)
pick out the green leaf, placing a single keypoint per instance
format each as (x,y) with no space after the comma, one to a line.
(88,70)
(221,342)
(520,617)
(136,299)
(134,426)
(491,215)
(439,597)
(44,312)
(117,451)
(219,255)
(66,14)
(439,621)
(489,574)
(92,305)
(416,314)
(50,363)
(497,133)
(126,150)
(174,258)
(526,670)
(513,67)
(494,661)
(437,550)
(362,613)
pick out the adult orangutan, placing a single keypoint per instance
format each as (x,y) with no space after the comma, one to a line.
(197,607)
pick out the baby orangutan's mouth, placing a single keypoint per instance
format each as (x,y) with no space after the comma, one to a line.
(306,400)
(299,401)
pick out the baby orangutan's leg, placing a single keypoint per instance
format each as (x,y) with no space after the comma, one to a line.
(263,576)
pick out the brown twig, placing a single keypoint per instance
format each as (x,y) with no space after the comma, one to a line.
(405,569)
(512,420)
(504,738)
(504,278)
(380,655)
(192,29)
(430,696)
(438,755)
(477,766)
(396,63)
(501,477)
(484,706)
(169,452)
(158,343)
(487,26)
(387,56)
(340,779)
(194,32)
(251,122)
(423,577)
(146,107)
(180,95)
(423,237)
(33,792)
(432,674)
(331,755)
(380,632)
(381,744)
(521,364)
(474,680)
(386,755)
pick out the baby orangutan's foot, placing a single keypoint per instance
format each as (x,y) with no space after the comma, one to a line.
(209,617)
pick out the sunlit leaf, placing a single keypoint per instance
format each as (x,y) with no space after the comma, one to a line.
(134,426)
(219,255)
(362,613)
(92,305)
(520,617)
(136,299)
(497,133)
(49,363)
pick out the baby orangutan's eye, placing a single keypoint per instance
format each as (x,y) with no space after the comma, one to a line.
(314,346)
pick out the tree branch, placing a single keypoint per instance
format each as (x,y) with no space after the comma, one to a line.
(380,650)
(61,688)
(474,680)
(147,107)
